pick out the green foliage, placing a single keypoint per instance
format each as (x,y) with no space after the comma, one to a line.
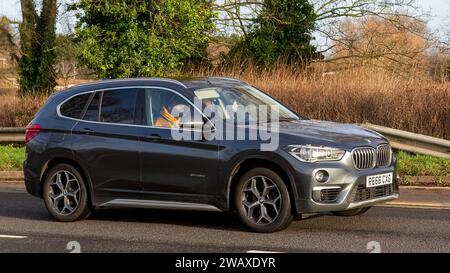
(11,157)
(37,33)
(282,30)
(131,38)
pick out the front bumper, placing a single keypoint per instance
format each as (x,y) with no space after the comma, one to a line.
(345,190)
(372,202)
(348,199)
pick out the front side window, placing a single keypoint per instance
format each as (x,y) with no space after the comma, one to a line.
(229,100)
(167,109)
(73,108)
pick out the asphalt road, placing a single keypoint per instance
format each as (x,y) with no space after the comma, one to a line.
(25,226)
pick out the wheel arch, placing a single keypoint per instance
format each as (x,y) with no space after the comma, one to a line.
(61,159)
(249,162)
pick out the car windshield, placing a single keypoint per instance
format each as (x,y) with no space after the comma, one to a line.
(253,105)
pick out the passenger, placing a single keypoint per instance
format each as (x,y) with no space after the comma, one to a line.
(166,119)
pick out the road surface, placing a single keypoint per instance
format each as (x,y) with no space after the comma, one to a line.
(25,226)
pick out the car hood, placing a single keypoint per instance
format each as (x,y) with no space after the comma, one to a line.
(328,133)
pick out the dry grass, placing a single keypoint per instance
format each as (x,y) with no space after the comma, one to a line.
(355,96)
(18,111)
(363,95)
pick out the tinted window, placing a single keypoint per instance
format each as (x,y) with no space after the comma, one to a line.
(92,111)
(118,106)
(74,107)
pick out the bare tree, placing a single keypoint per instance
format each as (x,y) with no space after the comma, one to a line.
(236,16)
(330,14)
(374,41)
(8,41)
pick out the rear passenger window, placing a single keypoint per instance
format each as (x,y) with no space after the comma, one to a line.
(118,106)
(73,108)
(92,110)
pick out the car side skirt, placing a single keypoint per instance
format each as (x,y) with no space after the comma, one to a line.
(154,204)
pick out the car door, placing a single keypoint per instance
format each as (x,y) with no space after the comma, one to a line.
(175,168)
(107,142)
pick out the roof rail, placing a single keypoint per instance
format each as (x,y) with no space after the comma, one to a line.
(129,79)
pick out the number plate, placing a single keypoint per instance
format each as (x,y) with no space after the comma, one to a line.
(378,180)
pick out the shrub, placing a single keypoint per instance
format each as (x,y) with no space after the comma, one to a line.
(142,38)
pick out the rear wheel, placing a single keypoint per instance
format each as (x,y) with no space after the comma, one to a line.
(351,212)
(262,201)
(65,194)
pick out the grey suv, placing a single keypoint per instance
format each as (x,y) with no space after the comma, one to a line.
(114,143)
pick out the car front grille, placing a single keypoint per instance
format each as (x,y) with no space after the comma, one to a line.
(361,193)
(384,155)
(329,195)
(364,158)
(367,157)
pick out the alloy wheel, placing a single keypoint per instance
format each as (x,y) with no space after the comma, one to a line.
(261,200)
(64,193)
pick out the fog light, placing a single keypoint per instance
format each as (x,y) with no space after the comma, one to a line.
(321,176)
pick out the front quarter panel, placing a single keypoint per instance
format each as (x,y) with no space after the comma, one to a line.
(232,153)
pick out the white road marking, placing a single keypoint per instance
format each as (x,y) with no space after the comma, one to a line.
(414,205)
(12,236)
(262,251)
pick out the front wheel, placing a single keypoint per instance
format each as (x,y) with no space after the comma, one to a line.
(351,212)
(65,194)
(262,201)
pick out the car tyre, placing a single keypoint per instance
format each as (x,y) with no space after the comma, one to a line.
(65,194)
(262,201)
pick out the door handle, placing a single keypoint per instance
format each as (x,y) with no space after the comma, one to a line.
(152,137)
(86,131)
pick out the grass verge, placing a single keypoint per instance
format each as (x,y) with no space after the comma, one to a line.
(410,165)
(422,165)
(11,157)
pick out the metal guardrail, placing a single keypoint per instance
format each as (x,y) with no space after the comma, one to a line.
(400,140)
(411,142)
(12,135)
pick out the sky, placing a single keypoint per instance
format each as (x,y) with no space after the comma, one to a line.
(438,9)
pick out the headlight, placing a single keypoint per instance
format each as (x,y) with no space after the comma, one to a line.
(310,153)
